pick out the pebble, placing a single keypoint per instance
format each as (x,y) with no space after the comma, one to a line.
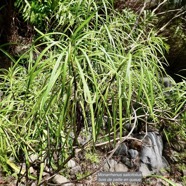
(127,162)
(33,157)
(121,150)
(144,170)
(31,170)
(59,179)
(34,184)
(84,137)
(75,170)
(71,163)
(121,168)
(46,174)
(110,165)
(133,153)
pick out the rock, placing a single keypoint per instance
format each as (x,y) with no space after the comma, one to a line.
(110,165)
(31,170)
(21,184)
(151,153)
(33,157)
(121,150)
(75,170)
(128,127)
(125,160)
(133,153)
(47,169)
(34,184)
(23,167)
(121,167)
(71,163)
(166,81)
(12,159)
(144,170)
(59,179)
(84,136)
(46,174)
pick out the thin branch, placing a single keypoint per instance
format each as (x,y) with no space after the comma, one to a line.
(168,11)
(176,16)
(137,20)
(159,6)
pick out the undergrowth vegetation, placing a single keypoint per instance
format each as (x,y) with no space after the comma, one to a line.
(97,70)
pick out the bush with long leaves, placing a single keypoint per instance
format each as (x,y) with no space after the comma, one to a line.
(104,67)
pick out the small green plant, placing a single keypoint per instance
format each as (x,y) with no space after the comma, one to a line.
(92,157)
(82,175)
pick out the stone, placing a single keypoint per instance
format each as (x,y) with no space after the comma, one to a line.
(23,167)
(31,170)
(144,170)
(133,153)
(129,126)
(75,170)
(59,179)
(125,160)
(121,167)
(151,153)
(71,163)
(166,81)
(121,150)
(84,137)
(110,165)
(46,174)
(34,184)
(33,157)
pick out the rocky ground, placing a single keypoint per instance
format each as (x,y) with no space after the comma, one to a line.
(144,153)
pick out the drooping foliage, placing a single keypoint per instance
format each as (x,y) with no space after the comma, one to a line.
(96,70)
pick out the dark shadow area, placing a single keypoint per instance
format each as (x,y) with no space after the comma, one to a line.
(177,68)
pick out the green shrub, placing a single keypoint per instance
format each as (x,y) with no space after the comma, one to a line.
(107,67)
